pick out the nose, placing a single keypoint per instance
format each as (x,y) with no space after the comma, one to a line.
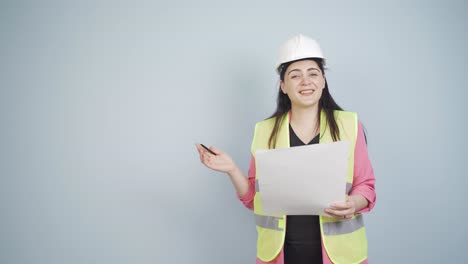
(306,81)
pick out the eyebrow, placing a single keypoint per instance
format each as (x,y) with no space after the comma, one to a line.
(310,69)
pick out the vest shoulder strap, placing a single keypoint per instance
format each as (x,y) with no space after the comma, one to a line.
(262,134)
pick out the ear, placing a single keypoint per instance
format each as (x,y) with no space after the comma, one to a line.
(282,86)
(325,81)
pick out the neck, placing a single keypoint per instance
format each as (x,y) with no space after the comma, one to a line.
(306,118)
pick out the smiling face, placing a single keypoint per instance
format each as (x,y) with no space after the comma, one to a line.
(303,83)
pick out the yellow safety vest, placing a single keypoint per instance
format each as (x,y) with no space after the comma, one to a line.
(344,240)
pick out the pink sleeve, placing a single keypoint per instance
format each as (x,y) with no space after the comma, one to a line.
(248,197)
(364,180)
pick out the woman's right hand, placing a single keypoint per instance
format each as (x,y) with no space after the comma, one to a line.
(220,162)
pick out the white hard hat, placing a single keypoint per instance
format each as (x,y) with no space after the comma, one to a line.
(298,47)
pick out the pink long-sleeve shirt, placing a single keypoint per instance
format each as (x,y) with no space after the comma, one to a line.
(363,184)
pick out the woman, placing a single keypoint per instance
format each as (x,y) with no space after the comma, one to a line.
(306,114)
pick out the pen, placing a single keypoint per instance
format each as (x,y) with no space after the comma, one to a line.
(209,150)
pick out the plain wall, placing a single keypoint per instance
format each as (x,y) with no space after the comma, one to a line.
(101,103)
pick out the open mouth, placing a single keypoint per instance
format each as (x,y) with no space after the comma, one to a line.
(306,92)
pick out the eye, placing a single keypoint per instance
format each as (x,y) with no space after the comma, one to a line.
(294,76)
(313,74)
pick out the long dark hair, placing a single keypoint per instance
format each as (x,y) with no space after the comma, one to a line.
(283,105)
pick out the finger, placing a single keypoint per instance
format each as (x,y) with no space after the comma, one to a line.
(215,150)
(202,158)
(342,217)
(205,157)
(332,214)
(205,151)
(209,159)
(200,155)
(199,149)
(202,149)
(339,213)
(341,205)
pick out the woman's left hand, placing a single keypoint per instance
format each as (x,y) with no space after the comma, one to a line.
(342,210)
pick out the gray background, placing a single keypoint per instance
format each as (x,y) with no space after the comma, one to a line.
(101,104)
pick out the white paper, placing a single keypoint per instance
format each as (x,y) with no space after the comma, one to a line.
(302,180)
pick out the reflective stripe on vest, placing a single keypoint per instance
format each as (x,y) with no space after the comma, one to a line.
(329,229)
(343,227)
(269,222)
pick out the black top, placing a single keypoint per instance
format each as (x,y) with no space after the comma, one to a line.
(303,242)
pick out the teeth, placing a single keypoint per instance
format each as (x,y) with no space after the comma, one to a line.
(306,92)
